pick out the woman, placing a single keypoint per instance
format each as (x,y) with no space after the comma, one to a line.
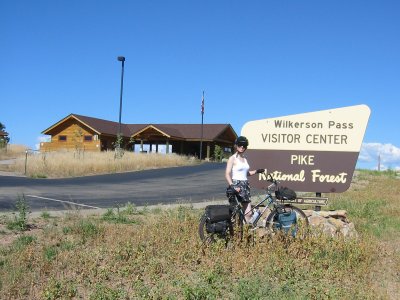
(237,170)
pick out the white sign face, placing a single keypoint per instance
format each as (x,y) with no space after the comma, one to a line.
(314,151)
(340,129)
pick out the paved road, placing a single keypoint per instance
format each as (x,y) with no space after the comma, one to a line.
(189,184)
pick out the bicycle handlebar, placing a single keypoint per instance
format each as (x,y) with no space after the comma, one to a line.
(271,179)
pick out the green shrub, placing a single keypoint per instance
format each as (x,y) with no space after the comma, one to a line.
(50,253)
(45,215)
(22,241)
(218,153)
(86,229)
(20,220)
(118,218)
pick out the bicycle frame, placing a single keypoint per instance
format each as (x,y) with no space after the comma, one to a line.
(273,219)
(268,197)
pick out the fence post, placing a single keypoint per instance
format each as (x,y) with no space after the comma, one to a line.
(26,159)
(318,207)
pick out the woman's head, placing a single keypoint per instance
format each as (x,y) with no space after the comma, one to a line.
(241,142)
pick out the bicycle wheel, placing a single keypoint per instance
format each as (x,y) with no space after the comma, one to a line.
(297,228)
(222,230)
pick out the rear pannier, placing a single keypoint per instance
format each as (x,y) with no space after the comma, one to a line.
(216,213)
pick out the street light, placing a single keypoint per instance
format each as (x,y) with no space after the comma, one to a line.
(121,59)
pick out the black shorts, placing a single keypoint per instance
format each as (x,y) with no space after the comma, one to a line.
(244,194)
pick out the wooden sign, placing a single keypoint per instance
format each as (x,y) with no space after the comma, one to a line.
(310,152)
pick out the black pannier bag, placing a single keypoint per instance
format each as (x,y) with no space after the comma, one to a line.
(284,193)
(218,218)
(216,213)
(219,227)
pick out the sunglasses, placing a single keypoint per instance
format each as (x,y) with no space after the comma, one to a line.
(242,145)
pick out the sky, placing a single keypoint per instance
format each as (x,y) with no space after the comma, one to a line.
(253,60)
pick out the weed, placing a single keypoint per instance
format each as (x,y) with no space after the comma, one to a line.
(103,292)
(50,253)
(117,218)
(67,246)
(22,241)
(131,209)
(38,176)
(59,289)
(45,215)
(20,220)
(86,229)
(66,229)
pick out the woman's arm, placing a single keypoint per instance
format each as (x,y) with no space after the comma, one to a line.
(228,170)
(250,173)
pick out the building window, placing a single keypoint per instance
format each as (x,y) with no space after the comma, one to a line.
(62,138)
(88,138)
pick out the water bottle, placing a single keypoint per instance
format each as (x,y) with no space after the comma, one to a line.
(256,213)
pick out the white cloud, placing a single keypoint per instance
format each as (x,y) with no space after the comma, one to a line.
(40,139)
(388,154)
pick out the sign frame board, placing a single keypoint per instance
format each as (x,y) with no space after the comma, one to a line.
(310,152)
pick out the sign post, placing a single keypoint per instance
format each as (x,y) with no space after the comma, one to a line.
(310,152)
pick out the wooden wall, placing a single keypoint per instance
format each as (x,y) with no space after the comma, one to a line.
(75,138)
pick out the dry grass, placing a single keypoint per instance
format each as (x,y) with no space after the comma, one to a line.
(374,207)
(12,151)
(159,256)
(132,254)
(71,164)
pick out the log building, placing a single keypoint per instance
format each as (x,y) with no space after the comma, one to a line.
(77,132)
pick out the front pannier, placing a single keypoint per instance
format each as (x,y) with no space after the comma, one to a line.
(285,220)
(284,193)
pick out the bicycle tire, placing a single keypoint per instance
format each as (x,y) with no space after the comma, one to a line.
(302,224)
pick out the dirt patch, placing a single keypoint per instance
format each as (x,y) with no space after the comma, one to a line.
(7,237)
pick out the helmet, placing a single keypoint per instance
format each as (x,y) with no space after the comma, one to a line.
(242,141)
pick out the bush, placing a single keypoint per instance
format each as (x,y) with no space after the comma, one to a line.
(20,220)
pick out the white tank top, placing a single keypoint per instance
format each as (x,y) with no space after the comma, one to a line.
(240,169)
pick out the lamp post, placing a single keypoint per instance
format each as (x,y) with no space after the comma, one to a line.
(121,59)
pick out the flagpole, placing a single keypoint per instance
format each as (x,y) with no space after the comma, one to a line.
(202,117)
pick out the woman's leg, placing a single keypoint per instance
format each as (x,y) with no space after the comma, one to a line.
(247,211)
